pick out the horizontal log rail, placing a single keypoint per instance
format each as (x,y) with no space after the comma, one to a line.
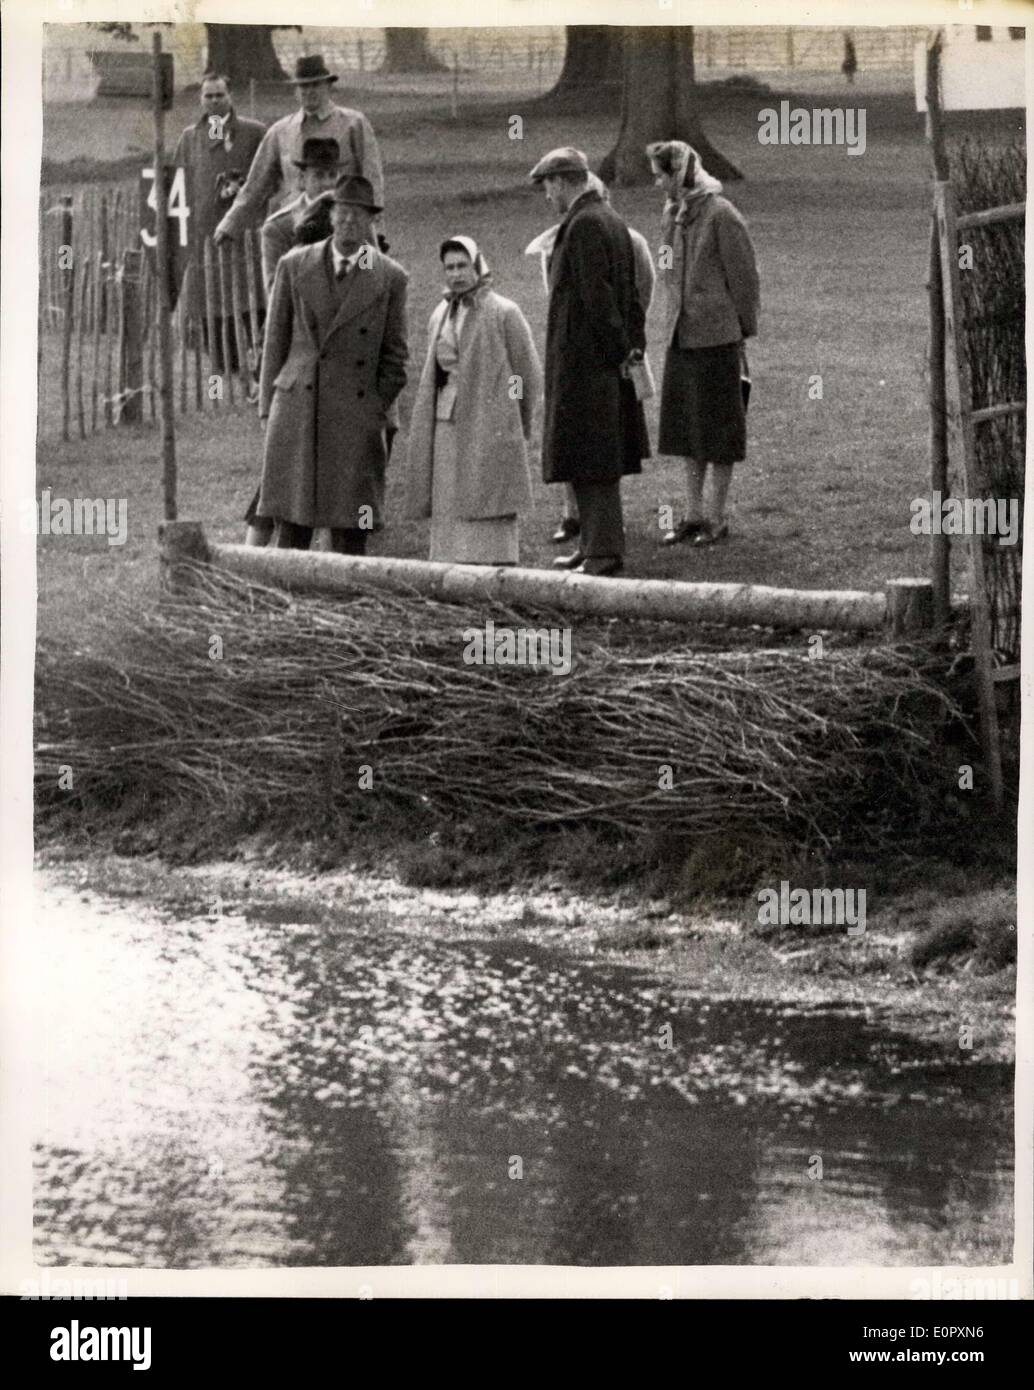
(1008,212)
(903,608)
(996,412)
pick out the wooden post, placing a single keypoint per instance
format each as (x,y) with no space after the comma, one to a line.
(222,253)
(253,304)
(161,267)
(98,309)
(251,97)
(131,358)
(455,85)
(181,546)
(67,282)
(84,276)
(959,398)
(243,351)
(181,328)
(210,306)
(909,606)
(940,556)
(789,47)
(197,290)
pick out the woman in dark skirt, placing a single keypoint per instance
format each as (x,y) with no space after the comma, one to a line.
(707,268)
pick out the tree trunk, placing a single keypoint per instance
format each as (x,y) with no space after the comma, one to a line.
(406,50)
(243,52)
(659,101)
(592,56)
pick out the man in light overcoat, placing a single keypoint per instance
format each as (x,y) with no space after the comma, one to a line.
(334,361)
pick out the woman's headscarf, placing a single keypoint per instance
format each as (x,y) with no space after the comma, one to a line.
(695,183)
(469,247)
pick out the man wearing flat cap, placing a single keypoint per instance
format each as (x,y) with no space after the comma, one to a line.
(594,430)
(320,167)
(333,363)
(273,172)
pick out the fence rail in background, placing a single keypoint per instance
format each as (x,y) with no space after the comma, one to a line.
(99,310)
(77,68)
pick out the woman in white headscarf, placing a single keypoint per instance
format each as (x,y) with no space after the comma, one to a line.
(473,417)
(542,246)
(712,304)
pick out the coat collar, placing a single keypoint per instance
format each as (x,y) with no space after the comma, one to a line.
(367,286)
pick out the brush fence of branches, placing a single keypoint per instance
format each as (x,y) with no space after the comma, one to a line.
(98,313)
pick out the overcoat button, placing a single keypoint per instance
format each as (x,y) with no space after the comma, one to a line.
(360,394)
(360,364)
(362,330)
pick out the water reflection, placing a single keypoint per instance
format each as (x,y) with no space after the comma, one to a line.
(266,1093)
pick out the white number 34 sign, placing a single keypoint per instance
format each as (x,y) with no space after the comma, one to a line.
(177,209)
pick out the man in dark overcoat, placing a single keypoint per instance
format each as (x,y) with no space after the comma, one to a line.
(594,431)
(218,149)
(334,360)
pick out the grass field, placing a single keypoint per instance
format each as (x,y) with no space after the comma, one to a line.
(823,498)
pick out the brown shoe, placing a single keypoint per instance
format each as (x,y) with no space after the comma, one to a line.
(687,531)
(711,534)
(568,562)
(601,565)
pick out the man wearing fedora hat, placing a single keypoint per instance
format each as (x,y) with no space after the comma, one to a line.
(273,173)
(594,429)
(320,167)
(333,363)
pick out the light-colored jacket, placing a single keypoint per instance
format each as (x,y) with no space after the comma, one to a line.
(334,360)
(711,288)
(645,276)
(492,428)
(274,176)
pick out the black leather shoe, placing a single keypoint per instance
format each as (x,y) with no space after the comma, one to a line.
(601,565)
(568,562)
(688,531)
(569,526)
(711,535)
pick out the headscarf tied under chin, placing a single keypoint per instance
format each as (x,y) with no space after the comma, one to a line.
(695,183)
(469,247)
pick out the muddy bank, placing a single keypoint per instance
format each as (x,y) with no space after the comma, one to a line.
(712,950)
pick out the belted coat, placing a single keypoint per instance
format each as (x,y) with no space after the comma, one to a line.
(333,361)
(492,426)
(594,430)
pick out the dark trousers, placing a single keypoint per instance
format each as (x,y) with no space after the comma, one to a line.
(599,510)
(344,540)
(215,350)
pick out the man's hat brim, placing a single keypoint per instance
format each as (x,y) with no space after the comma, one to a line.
(318,163)
(356,203)
(308,81)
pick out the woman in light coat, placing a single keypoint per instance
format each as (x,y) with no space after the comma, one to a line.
(472,418)
(711,283)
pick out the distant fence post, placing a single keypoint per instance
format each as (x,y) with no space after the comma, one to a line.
(131,367)
(940,556)
(67,283)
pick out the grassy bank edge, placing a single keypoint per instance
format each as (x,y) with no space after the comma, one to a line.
(935,956)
